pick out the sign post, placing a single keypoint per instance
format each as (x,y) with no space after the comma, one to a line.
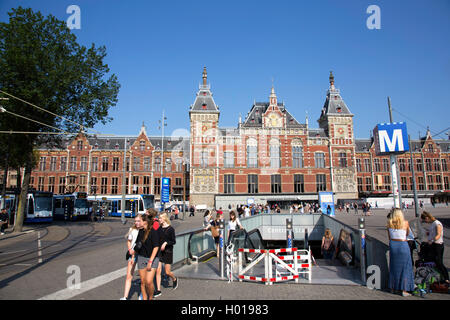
(222,247)
(289,232)
(362,258)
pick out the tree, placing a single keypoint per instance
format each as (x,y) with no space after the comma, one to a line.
(43,64)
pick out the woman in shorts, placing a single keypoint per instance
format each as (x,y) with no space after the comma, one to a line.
(168,239)
(147,246)
(132,236)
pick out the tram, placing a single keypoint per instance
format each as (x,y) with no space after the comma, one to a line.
(134,204)
(38,208)
(73,206)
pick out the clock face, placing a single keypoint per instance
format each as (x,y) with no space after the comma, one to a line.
(340,131)
(274,120)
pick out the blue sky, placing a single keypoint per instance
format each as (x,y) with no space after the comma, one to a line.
(158,50)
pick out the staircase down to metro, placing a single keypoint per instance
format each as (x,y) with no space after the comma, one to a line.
(203,263)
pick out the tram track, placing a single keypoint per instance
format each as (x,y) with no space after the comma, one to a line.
(33,254)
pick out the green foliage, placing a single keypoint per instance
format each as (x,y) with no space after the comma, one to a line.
(42,63)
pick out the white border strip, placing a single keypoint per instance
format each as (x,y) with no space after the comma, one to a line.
(85,286)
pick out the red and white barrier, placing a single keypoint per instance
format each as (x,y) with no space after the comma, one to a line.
(303,262)
(271,256)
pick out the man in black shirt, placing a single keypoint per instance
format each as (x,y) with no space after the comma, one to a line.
(3,221)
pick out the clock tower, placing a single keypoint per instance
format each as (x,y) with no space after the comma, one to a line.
(337,122)
(273,117)
(204,121)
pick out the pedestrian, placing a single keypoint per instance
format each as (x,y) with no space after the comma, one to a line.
(233,225)
(410,238)
(131,254)
(3,221)
(214,227)
(147,247)
(206,218)
(347,208)
(369,206)
(401,277)
(168,240)
(355,206)
(328,210)
(436,240)
(247,212)
(328,247)
(220,212)
(176,211)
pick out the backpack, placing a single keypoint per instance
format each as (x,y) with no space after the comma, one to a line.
(425,277)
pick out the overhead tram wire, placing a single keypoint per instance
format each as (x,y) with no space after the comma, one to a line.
(38,122)
(417,123)
(45,110)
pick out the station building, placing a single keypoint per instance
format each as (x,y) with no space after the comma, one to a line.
(269,157)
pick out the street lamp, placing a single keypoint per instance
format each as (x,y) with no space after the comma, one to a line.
(162,124)
(123,179)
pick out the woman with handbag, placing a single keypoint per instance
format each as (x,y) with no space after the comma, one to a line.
(168,239)
(147,247)
(130,256)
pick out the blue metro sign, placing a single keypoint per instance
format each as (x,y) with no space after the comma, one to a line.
(165,190)
(391,138)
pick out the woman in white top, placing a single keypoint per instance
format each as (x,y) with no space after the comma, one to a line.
(233,223)
(436,240)
(401,277)
(131,237)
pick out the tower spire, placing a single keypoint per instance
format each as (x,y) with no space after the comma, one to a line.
(205,76)
(331,80)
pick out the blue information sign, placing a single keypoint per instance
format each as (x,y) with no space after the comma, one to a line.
(325,200)
(165,191)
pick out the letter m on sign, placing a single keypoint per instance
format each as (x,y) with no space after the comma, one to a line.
(391,138)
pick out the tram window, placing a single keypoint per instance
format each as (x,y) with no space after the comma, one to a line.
(141,206)
(30,206)
(58,203)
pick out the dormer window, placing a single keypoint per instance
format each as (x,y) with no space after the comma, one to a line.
(339,109)
(204,106)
